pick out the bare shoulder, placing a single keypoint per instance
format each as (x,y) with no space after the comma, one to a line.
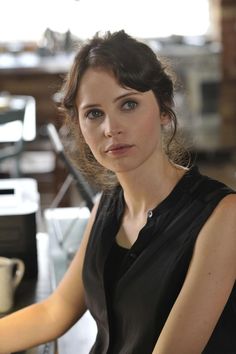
(217,239)
(228,203)
(224,216)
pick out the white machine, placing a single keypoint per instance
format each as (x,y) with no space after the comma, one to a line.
(19,203)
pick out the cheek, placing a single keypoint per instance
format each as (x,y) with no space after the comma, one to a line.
(151,125)
(89,137)
(84,131)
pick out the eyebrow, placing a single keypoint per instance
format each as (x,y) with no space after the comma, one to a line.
(90,105)
(125,95)
(93,105)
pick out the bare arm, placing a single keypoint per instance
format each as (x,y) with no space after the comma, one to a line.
(47,320)
(210,279)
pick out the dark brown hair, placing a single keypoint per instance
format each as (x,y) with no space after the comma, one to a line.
(134,65)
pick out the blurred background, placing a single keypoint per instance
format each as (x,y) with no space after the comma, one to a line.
(42,214)
(38,40)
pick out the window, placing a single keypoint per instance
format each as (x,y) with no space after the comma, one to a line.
(26,20)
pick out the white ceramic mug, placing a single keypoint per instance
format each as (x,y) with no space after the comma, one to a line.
(11,274)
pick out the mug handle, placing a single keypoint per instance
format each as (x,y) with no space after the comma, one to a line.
(20,270)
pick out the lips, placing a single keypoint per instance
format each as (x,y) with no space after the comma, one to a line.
(117,147)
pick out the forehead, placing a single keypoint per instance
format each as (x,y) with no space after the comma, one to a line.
(97,82)
(97,76)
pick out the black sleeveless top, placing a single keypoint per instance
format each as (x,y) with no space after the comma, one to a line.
(130,293)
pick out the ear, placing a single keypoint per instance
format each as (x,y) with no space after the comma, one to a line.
(165,118)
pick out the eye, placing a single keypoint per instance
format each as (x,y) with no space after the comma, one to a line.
(129,105)
(93,114)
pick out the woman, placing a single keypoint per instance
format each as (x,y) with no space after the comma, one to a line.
(157,264)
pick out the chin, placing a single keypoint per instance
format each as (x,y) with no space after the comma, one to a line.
(122,165)
(124,169)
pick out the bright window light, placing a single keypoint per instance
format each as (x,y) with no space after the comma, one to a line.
(28,19)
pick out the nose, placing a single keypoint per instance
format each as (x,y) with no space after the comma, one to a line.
(112,127)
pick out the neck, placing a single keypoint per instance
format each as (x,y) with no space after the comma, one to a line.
(143,192)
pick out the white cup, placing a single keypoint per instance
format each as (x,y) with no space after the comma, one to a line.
(11,274)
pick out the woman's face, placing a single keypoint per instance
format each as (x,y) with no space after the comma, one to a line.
(120,125)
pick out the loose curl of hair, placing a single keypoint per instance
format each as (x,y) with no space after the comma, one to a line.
(134,65)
